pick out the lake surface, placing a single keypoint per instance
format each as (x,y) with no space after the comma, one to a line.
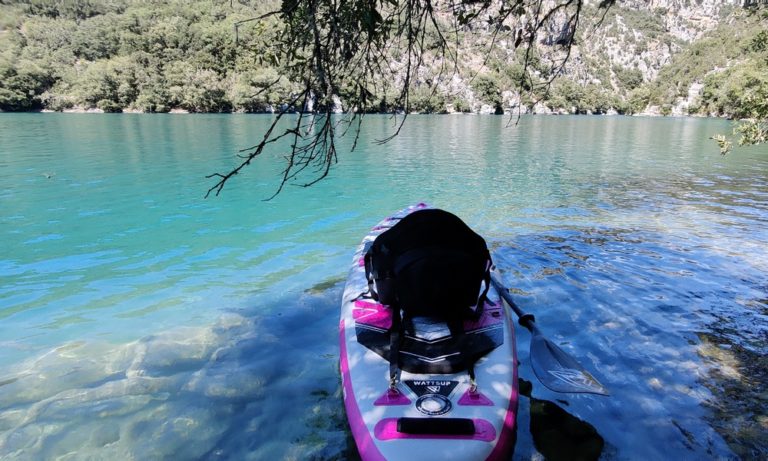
(139,320)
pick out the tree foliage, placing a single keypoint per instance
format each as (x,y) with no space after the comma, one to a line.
(741,90)
(119,55)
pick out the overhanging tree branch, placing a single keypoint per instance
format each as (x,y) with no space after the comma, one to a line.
(372,54)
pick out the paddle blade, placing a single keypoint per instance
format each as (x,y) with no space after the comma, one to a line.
(560,372)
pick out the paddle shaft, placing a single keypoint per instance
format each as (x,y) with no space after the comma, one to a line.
(526,320)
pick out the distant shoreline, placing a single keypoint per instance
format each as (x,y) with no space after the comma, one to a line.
(651,114)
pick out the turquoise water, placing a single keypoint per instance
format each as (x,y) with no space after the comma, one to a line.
(139,320)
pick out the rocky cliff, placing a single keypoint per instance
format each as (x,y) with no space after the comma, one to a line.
(645,38)
(621,61)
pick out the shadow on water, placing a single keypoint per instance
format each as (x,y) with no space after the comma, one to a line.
(301,413)
(674,326)
(738,381)
(558,435)
(249,387)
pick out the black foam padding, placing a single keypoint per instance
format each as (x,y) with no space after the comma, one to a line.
(436,426)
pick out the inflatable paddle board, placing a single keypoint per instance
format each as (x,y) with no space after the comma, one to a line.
(433,412)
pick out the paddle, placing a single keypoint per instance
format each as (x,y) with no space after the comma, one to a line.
(555,369)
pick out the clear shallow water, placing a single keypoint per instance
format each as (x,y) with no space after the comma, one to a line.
(141,321)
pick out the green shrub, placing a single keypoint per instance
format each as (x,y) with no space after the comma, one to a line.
(486,87)
(629,79)
(425,99)
(21,85)
(109,106)
(461,105)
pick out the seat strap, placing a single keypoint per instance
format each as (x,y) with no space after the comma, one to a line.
(484,295)
(394,347)
(369,276)
(471,372)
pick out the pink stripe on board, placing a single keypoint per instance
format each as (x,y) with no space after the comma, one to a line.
(361,262)
(508,435)
(363,439)
(386,429)
(506,442)
(374,314)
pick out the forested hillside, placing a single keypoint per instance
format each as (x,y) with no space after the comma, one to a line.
(664,57)
(148,56)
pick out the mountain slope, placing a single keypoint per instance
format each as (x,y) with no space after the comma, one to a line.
(660,57)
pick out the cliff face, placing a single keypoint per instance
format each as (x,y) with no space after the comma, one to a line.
(616,62)
(644,34)
(686,20)
(638,41)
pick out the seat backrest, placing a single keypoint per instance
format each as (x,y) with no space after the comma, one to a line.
(430,263)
